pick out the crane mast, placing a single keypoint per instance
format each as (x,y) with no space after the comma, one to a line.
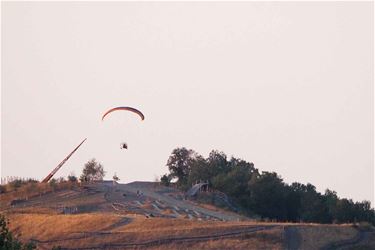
(50,175)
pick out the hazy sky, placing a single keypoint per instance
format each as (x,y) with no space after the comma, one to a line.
(288,86)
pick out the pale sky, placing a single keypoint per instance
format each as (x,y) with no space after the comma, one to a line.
(287,86)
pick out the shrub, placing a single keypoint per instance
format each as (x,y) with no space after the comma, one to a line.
(3,189)
(165,180)
(72,178)
(92,171)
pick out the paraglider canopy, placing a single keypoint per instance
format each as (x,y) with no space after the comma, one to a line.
(136,111)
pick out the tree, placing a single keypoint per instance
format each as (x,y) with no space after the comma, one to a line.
(235,182)
(72,178)
(293,204)
(165,180)
(263,194)
(331,199)
(15,184)
(345,211)
(267,196)
(218,163)
(313,205)
(115,177)
(92,171)
(179,164)
(199,171)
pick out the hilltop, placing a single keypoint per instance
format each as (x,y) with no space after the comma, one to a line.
(147,215)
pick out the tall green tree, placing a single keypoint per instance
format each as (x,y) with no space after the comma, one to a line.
(179,164)
(267,196)
(235,182)
(92,171)
(217,163)
(293,203)
(313,205)
(199,170)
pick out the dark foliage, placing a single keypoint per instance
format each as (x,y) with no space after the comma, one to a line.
(263,193)
(92,171)
(72,178)
(165,180)
(3,189)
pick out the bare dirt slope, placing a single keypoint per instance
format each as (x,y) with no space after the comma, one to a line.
(142,198)
(165,200)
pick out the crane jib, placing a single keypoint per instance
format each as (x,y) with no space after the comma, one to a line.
(50,175)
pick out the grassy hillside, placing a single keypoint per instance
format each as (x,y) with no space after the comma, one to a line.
(116,217)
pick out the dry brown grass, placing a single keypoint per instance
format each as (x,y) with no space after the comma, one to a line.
(34,210)
(40,220)
(208,206)
(86,230)
(167,211)
(51,226)
(32,190)
(269,239)
(153,228)
(86,200)
(144,224)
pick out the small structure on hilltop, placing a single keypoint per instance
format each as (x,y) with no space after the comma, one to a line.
(218,196)
(198,187)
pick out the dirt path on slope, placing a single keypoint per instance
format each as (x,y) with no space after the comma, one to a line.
(120,223)
(362,237)
(232,233)
(292,238)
